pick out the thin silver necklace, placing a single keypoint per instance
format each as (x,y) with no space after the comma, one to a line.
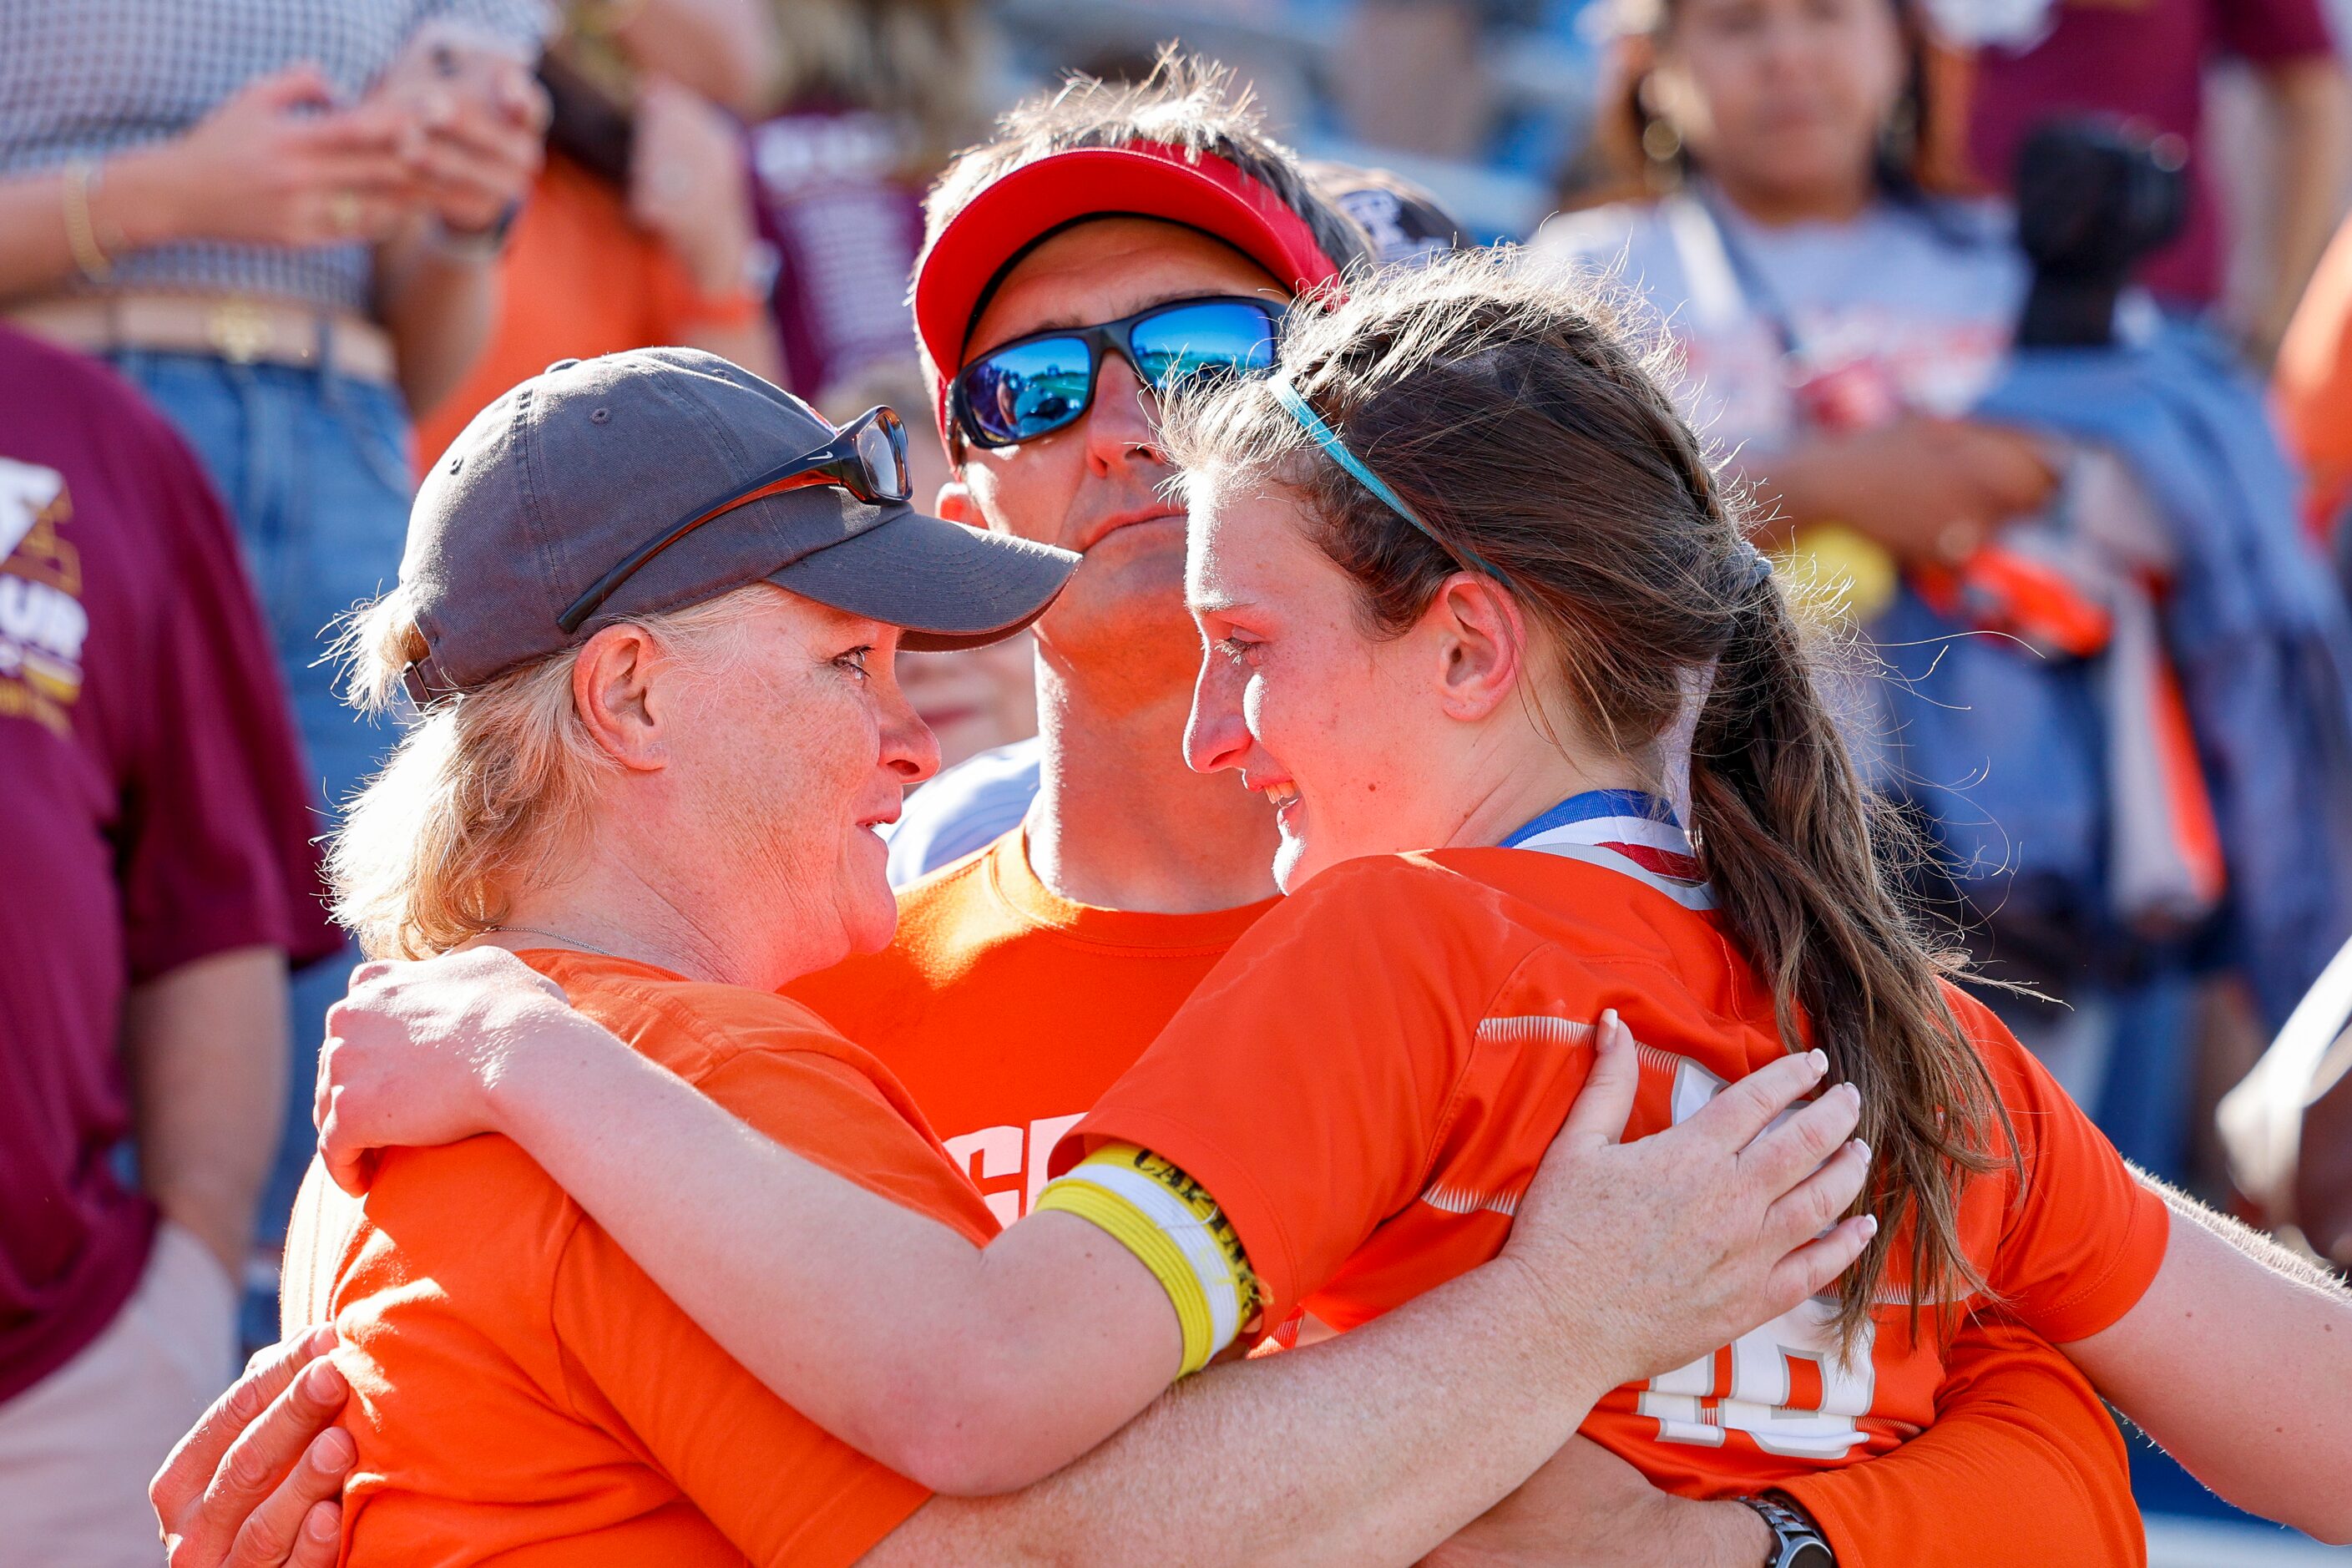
(558,936)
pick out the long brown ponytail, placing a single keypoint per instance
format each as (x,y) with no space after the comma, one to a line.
(1512,415)
(1800,869)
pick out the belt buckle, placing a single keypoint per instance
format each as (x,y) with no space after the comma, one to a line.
(238,328)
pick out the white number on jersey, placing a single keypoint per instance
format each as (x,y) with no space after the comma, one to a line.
(1748,1386)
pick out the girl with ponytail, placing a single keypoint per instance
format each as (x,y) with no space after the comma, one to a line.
(1550,764)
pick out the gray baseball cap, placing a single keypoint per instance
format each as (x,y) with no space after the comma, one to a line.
(565,476)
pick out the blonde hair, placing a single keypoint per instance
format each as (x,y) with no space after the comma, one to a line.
(489,791)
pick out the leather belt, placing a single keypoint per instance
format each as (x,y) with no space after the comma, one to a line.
(238,328)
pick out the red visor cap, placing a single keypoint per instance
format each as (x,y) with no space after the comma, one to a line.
(1141,180)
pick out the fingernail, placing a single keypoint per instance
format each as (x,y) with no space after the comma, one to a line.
(321,1381)
(1869,1225)
(1853,1091)
(325,1523)
(1820,1060)
(1862,1149)
(333,1451)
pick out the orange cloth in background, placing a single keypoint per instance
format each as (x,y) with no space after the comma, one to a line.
(579,279)
(2312,385)
(523,1392)
(1008,1011)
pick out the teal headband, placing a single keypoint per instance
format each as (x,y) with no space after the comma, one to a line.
(1328,440)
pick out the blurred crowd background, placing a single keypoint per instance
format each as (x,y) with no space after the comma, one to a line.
(313,238)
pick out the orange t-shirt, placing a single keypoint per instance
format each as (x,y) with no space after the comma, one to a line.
(1368,1084)
(579,279)
(1006,1010)
(523,1393)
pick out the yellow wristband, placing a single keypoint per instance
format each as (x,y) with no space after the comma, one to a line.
(1175,1229)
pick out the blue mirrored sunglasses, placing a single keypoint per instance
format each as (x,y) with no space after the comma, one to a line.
(1035,385)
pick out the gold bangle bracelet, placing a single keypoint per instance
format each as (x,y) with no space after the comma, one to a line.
(81,234)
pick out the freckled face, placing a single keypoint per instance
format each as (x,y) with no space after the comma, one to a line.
(789,757)
(1339,729)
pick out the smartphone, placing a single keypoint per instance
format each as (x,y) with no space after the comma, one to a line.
(446,56)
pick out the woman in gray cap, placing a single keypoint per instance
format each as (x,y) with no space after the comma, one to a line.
(636,511)
(648,612)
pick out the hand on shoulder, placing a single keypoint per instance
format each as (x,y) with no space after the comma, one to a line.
(413,1053)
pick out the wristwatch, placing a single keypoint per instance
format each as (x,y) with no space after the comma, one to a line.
(1797,1541)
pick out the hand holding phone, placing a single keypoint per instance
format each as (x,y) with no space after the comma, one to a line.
(479,121)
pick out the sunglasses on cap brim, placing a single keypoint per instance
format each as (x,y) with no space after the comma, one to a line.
(1035,385)
(867,458)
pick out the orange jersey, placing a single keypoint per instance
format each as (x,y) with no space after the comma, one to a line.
(523,1392)
(1369,1082)
(1006,1010)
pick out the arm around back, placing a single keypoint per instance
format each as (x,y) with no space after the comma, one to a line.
(970,1369)
(1368,1449)
(1375,1448)
(2015,1420)
(979,1368)
(986,1369)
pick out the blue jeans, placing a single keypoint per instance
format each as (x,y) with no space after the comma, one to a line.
(315,470)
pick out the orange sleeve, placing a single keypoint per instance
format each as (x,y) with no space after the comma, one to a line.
(2084,1237)
(776,1485)
(1305,1083)
(2022,1465)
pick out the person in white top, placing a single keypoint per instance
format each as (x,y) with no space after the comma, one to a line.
(1835,319)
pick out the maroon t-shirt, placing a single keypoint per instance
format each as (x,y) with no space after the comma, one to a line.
(845,227)
(154,811)
(2140,61)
